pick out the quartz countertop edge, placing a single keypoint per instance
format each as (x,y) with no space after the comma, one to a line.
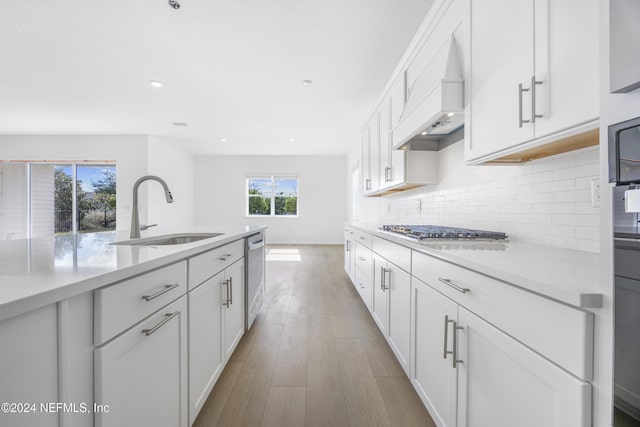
(20,293)
(563,275)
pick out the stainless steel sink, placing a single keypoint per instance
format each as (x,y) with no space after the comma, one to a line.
(169,239)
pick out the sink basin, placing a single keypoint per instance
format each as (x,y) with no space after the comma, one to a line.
(169,239)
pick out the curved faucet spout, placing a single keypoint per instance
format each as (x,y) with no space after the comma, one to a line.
(135,220)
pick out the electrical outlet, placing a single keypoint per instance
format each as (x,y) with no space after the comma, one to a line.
(595,192)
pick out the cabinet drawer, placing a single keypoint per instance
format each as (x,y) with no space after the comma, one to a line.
(348,231)
(364,286)
(364,238)
(364,259)
(119,306)
(396,254)
(561,333)
(208,264)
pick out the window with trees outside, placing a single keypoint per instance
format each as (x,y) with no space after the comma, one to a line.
(272,196)
(45,198)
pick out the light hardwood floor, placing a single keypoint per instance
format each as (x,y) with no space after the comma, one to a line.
(314,356)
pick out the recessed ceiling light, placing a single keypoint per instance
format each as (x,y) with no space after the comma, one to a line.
(223,139)
(423,133)
(174,4)
(292,140)
(156,83)
(451,114)
(306,83)
(180,123)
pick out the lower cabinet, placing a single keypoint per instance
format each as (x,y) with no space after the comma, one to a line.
(391,303)
(470,373)
(205,341)
(232,308)
(28,372)
(216,324)
(142,374)
(432,373)
(503,383)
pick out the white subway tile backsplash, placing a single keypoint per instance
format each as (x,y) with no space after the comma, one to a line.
(545,202)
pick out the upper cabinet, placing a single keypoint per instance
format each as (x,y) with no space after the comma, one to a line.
(538,85)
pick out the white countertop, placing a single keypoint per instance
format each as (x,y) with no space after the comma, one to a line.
(40,271)
(564,275)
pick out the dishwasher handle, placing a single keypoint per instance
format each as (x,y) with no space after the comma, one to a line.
(257,244)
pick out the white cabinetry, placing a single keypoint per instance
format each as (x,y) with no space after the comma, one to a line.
(494,361)
(205,341)
(392,297)
(142,374)
(233,308)
(364,272)
(432,374)
(370,155)
(216,318)
(540,81)
(349,253)
(502,383)
(29,368)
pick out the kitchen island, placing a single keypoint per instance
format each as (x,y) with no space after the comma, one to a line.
(100,334)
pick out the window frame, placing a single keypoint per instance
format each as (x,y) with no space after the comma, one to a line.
(273,178)
(73,164)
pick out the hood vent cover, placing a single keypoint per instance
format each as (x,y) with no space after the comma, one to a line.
(433,114)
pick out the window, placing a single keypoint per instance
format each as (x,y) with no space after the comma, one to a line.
(49,198)
(272,196)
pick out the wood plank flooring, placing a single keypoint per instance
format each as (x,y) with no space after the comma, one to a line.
(314,356)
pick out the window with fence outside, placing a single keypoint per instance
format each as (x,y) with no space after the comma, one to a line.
(272,196)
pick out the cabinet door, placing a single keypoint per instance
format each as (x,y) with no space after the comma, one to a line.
(205,350)
(142,374)
(503,383)
(499,64)
(366,161)
(385,143)
(396,162)
(432,373)
(380,293)
(29,369)
(375,151)
(232,294)
(398,283)
(348,249)
(566,46)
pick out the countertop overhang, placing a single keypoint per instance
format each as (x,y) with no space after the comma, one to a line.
(568,276)
(41,271)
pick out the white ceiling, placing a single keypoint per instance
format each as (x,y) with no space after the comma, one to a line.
(230,69)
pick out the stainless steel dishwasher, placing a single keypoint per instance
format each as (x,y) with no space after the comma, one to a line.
(254,292)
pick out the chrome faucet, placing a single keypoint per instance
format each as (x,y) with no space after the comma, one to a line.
(135,219)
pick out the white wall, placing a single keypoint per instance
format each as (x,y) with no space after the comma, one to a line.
(220,184)
(174,165)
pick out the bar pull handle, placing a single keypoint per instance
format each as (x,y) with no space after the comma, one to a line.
(450,283)
(446,335)
(383,272)
(456,361)
(162,291)
(168,317)
(226,300)
(363,259)
(367,184)
(225,257)
(348,245)
(231,290)
(534,116)
(521,90)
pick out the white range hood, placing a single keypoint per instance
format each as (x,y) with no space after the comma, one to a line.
(434,108)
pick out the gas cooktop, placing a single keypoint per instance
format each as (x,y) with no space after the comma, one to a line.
(436,232)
